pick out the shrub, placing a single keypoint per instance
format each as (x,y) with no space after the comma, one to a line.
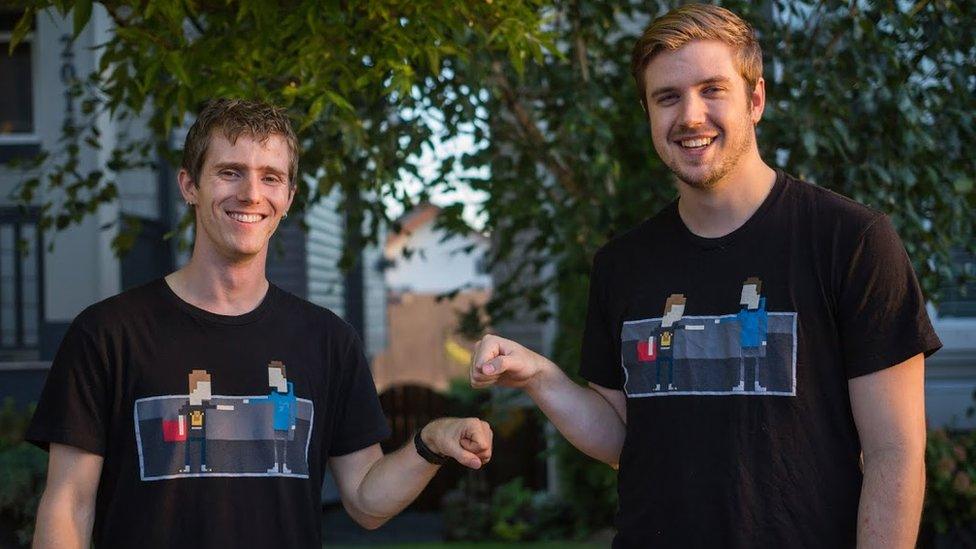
(22,472)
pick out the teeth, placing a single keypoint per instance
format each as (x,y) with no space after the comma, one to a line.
(245,218)
(700,142)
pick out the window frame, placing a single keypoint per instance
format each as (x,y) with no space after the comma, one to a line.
(18,218)
(31,138)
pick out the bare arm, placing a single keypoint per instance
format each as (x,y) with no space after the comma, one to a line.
(592,418)
(889,410)
(374,487)
(67,509)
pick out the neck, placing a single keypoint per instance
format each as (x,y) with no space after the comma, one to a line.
(727,205)
(220,285)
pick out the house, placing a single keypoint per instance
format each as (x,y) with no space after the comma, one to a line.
(58,274)
(424,264)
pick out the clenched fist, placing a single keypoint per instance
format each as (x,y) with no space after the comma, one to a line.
(501,361)
(467,440)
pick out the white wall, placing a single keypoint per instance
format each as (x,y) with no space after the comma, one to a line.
(434,266)
(81,268)
(950,374)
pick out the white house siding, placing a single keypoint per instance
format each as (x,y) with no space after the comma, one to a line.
(374,301)
(324,242)
(286,267)
(81,269)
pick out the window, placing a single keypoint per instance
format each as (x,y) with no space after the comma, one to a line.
(960,301)
(16,82)
(20,280)
(17,131)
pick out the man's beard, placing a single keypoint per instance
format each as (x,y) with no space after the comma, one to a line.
(710,178)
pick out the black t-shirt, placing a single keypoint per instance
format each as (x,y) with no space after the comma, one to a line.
(121,385)
(755,444)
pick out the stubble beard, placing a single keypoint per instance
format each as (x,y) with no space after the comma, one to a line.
(710,178)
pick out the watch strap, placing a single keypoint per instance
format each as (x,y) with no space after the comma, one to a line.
(425,452)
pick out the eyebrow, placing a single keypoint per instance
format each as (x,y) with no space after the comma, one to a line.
(709,80)
(243,167)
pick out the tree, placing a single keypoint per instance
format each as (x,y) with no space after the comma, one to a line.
(872,99)
(361,80)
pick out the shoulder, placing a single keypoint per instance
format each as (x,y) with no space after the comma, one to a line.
(638,238)
(316,317)
(838,211)
(116,311)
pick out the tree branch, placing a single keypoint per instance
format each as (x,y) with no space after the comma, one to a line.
(533,135)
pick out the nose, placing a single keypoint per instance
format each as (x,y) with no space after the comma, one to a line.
(249,191)
(693,111)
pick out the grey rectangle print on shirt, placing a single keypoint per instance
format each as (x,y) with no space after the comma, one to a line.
(707,357)
(239,441)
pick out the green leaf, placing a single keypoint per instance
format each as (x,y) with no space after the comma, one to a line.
(81,13)
(963,185)
(23,27)
(338,100)
(173,61)
(810,142)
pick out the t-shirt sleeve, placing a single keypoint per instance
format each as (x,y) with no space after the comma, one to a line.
(74,404)
(881,310)
(360,421)
(600,355)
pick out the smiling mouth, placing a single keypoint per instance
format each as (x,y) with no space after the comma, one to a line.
(695,143)
(246,217)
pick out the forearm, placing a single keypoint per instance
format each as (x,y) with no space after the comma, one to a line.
(62,523)
(581,414)
(891,499)
(391,483)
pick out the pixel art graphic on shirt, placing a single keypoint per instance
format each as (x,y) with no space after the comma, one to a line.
(205,435)
(752,352)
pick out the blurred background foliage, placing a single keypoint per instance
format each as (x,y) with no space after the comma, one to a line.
(875,100)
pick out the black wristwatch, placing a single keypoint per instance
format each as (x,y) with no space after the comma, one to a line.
(425,452)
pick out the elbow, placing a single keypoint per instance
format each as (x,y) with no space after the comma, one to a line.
(613,460)
(364,519)
(370,522)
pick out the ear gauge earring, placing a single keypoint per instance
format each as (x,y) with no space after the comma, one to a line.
(284,215)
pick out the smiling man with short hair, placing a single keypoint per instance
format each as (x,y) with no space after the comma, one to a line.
(137,461)
(780,384)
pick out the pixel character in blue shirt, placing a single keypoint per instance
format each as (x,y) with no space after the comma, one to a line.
(753,328)
(282,400)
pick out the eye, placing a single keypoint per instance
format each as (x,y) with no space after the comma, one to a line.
(714,90)
(229,173)
(667,99)
(272,180)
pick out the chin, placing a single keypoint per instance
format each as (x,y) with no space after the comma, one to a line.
(696,179)
(240,251)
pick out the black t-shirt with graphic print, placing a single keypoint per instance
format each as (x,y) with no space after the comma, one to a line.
(119,387)
(755,444)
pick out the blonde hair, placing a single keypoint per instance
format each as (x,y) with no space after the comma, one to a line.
(691,22)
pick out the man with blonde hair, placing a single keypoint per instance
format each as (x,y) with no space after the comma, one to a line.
(836,341)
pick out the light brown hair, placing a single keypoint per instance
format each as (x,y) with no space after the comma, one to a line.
(674,299)
(280,365)
(691,22)
(234,118)
(196,376)
(754,281)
